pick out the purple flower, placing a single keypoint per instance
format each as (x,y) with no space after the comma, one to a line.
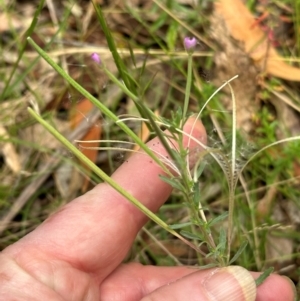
(96,58)
(189,43)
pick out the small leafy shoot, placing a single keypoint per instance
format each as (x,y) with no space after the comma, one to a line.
(264,276)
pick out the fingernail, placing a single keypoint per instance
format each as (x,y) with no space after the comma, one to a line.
(232,283)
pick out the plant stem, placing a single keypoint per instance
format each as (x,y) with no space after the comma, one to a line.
(99,105)
(108,179)
(188,88)
(233,176)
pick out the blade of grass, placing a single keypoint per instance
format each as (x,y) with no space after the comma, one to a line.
(187,89)
(232,180)
(124,73)
(99,105)
(295,138)
(238,253)
(10,88)
(28,33)
(128,81)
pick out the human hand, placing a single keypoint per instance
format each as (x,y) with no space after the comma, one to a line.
(76,253)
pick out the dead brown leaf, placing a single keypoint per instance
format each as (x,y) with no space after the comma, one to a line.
(264,205)
(79,112)
(8,21)
(241,25)
(231,60)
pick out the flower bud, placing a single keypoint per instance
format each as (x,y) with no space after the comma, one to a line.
(189,43)
(96,58)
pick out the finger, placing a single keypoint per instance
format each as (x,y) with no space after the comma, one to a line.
(95,231)
(180,283)
(16,284)
(224,284)
(43,281)
(275,288)
(144,183)
(132,282)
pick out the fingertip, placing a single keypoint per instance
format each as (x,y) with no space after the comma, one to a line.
(230,283)
(276,288)
(195,128)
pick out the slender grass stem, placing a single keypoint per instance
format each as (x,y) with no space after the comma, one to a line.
(233,178)
(188,88)
(99,105)
(109,180)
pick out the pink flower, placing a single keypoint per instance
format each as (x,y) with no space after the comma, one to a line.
(96,58)
(189,43)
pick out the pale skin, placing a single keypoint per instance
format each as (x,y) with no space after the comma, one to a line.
(77,253)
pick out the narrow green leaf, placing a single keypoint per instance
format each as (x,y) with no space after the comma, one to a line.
(196,197)
(172,35)
(179,226)
(148,85)
(218,219)
(239,252)
(159,22)
(173,182)
(200,168)
(145,25)
(132,55)
(129,83)
(143,67)
(191,235)
(176,117)
(264,276)
(222,241)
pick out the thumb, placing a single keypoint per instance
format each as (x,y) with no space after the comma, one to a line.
(232,283)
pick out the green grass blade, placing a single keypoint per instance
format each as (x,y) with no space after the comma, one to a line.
(28,33)
(188,88)
(98,171)
(98,104)
(128,81)
(239,252)
(232,180)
